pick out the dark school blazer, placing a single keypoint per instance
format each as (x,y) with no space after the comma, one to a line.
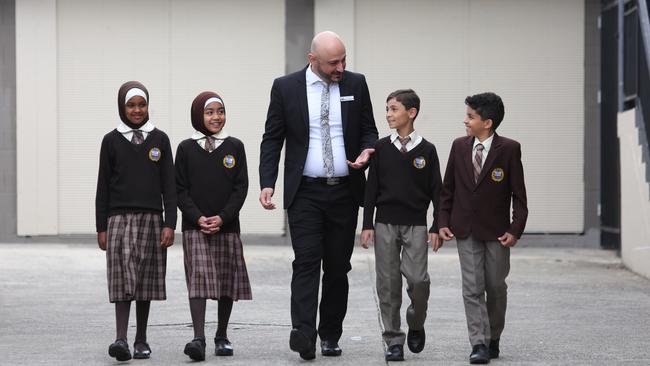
(483,209)
(288,120)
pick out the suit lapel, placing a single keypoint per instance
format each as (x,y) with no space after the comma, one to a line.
(466,157)
(492,154)
(302,97)
(344,89)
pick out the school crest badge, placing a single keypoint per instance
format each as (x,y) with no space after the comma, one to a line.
(420,162)
(154,154)
(229,161)
(497,174)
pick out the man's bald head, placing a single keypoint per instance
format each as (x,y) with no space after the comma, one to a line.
(326,40)
(327,56)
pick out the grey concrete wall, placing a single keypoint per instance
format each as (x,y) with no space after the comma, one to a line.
(592,121)
(7,120)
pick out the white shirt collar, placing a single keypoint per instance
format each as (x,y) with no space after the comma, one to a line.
(486,144)
(123,128)
(413,135)
(311,77)
(221,135)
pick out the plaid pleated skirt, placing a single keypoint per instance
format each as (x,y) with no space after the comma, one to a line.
(215,266)
(135,261)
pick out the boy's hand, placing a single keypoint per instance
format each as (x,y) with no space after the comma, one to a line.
(507,240)
(265,198)
(367,237)
(101,240)
(167,237)
(445,233)
(362,159)
(435,240)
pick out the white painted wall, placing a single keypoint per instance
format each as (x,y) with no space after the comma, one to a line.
(72,57)
(37,164)
(635,197)
(529,52)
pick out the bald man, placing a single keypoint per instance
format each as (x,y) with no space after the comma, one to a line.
(324,115)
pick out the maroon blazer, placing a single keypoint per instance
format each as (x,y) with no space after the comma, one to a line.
(483,209)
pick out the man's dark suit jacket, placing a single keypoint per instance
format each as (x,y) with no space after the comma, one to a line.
(483,209)
(288,119)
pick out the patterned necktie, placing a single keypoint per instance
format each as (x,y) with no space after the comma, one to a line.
(209,143)
(326,140)
(404,141)
(137,137)
(478,161)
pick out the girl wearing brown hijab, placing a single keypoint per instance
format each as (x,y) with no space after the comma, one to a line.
(212,183)
(136,179)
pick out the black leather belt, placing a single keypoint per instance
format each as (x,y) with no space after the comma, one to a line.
(332,181)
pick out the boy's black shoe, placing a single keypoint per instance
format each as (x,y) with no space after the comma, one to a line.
(119,350)
(141,350)
(494,348)
(479,355)
(298,342)
(196,349)
(395,353)
(222,347)
(415,340)
(330,348)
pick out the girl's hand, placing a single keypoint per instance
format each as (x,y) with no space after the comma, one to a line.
(167,237)
(101,240)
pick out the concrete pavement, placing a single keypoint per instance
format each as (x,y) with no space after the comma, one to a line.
(566,306)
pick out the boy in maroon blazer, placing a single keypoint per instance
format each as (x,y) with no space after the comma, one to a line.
(484,175)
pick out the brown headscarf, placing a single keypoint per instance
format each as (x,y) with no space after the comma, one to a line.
(196,112)
(121,94)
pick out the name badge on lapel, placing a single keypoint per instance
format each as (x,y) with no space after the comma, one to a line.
(347,98)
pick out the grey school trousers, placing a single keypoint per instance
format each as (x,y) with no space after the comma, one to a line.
(484,267)
(411,243)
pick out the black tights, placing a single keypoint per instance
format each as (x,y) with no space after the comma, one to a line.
(197,310)
(122,310)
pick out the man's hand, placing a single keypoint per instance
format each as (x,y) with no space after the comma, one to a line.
(167,237)
(367,237)
(265,198)
(362,159)
(507,240)
(445,233)
(435,240)
(101,240)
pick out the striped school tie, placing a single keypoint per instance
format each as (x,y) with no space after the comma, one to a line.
(209,143)
(404,141)
(478,161)
(137,137)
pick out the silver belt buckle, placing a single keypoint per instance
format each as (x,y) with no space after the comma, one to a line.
(332,181)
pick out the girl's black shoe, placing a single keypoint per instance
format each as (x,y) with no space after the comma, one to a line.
(196,349)
(119,350)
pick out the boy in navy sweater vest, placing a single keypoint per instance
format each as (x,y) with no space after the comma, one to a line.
(404,178)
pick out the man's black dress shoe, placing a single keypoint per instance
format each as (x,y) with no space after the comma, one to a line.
(119,350)
(298,342)
(395,353)
(196,349)
(479,355)
(415,340)
(141,350)
(330,348)
(494,348)
(222,347)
